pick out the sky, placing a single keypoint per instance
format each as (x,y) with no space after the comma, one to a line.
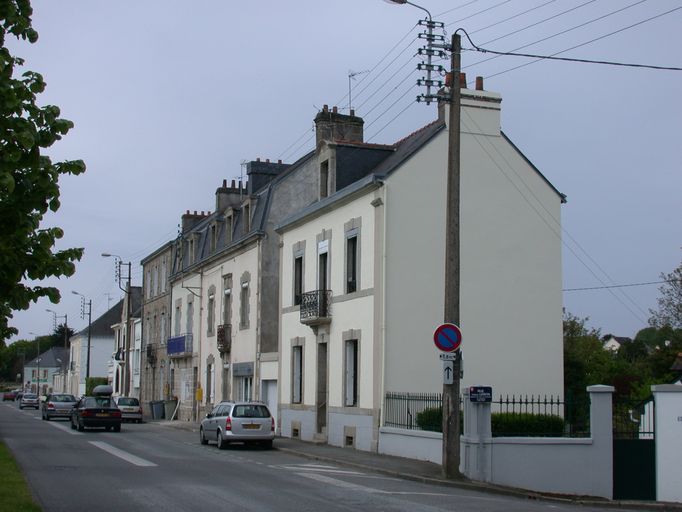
(168,98)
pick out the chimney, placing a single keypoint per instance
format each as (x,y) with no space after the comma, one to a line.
(189,220)
(228,197)
(479,83)
(261,173)
(333,126)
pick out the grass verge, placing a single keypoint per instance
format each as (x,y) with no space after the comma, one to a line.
(14,493)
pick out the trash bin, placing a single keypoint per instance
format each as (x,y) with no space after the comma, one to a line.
(156,406)
(169,406)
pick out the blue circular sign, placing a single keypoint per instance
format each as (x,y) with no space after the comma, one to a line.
(447,337)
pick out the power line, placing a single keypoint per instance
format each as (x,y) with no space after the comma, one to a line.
(455,8)
(587,61)
(514,16)
(618,286)
(479,12)
(599,18)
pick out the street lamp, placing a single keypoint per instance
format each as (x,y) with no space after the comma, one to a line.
(89,313)
(128,328)
(66,325)
(37,361)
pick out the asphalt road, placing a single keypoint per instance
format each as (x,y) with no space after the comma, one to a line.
(160,468)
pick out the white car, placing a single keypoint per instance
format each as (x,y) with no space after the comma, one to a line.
(131,410)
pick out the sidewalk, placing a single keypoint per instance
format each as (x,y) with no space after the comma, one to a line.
(420,471)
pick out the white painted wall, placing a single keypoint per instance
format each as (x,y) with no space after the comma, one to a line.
(511,315)
(668,422)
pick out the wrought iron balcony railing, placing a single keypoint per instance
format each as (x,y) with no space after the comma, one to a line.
(224,337)
(316,307)
(151,353)
(180,346)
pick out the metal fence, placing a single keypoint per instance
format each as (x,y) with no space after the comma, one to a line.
(403,409)
(521,415)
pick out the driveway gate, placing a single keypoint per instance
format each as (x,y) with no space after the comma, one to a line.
(634,450)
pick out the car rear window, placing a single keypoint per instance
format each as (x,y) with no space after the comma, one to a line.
(29,395)
(128,401)
(63,398)
(99,402)
(250,411)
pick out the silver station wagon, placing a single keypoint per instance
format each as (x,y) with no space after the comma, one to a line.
(247,422)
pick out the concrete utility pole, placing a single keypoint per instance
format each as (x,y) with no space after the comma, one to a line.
(451,431)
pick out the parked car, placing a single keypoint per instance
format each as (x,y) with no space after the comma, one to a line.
(9,395)
(29,400)
(57,405)
(130,408)
(99,410)
(247,422)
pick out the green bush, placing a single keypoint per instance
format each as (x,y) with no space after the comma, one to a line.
(431,419)
(91,382)
(526,424)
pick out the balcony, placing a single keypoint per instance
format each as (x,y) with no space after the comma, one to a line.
(224,338)
(180,346)
(316,307)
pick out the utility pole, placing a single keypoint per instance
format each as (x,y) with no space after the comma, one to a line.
(451,394)
(436,47)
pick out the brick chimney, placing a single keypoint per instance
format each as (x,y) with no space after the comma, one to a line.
(189,220)
(333,126)
(229,196)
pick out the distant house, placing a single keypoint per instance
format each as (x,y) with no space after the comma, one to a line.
(40,371)
(613,343)
(127,328)
(101,346)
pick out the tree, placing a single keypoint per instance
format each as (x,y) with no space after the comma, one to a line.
(28,178)
(670,303)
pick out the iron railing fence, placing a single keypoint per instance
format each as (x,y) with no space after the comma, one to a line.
(633,419)
(518,416)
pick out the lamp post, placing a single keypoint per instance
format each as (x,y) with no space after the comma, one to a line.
(451,309)
(83,313)
(37,361)
(128,328)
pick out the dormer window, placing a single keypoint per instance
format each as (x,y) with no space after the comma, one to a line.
(229,225)
(213,237)
(324,179)
(246,209)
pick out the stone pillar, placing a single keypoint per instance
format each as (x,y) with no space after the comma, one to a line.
(668,425)
(601,431)
(475,443)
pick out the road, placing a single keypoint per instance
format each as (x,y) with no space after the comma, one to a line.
(155,467)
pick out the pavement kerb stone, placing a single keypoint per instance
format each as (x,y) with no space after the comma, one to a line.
(463,484)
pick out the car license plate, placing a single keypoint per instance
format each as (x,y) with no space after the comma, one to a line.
(252,427)
(102,414)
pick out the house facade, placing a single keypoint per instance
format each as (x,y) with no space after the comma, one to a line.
(101,348)
(40,372)
(156,307)
(124,367)
(362,284)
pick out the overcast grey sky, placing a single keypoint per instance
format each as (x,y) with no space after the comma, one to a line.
(168,97)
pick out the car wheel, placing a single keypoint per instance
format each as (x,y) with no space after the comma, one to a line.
(117,428)
(202,437)
(81,427)
(73,425)
(222,444)
(267,444)
(47,417)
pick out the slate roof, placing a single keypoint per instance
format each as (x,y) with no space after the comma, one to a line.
(48,359)
(102,325)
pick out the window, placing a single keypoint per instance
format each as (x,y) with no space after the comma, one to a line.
(178,307)
(190,256)
(244,302)
(162,327)
(227,299)
(228,229)
(190,317)
(351,364)
(211,311)
(298,280)
(322,271)
(297,374)
(214,237)
(247,217)
(351,264)
(164,275)
(324,179)
(149,283)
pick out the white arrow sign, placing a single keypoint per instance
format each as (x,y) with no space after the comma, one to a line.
(448,372)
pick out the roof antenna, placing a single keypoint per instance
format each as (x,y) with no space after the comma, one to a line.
(351,76)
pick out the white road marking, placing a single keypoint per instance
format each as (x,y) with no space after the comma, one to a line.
(64,428)
(128,457)
(372,490)
(322,469)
